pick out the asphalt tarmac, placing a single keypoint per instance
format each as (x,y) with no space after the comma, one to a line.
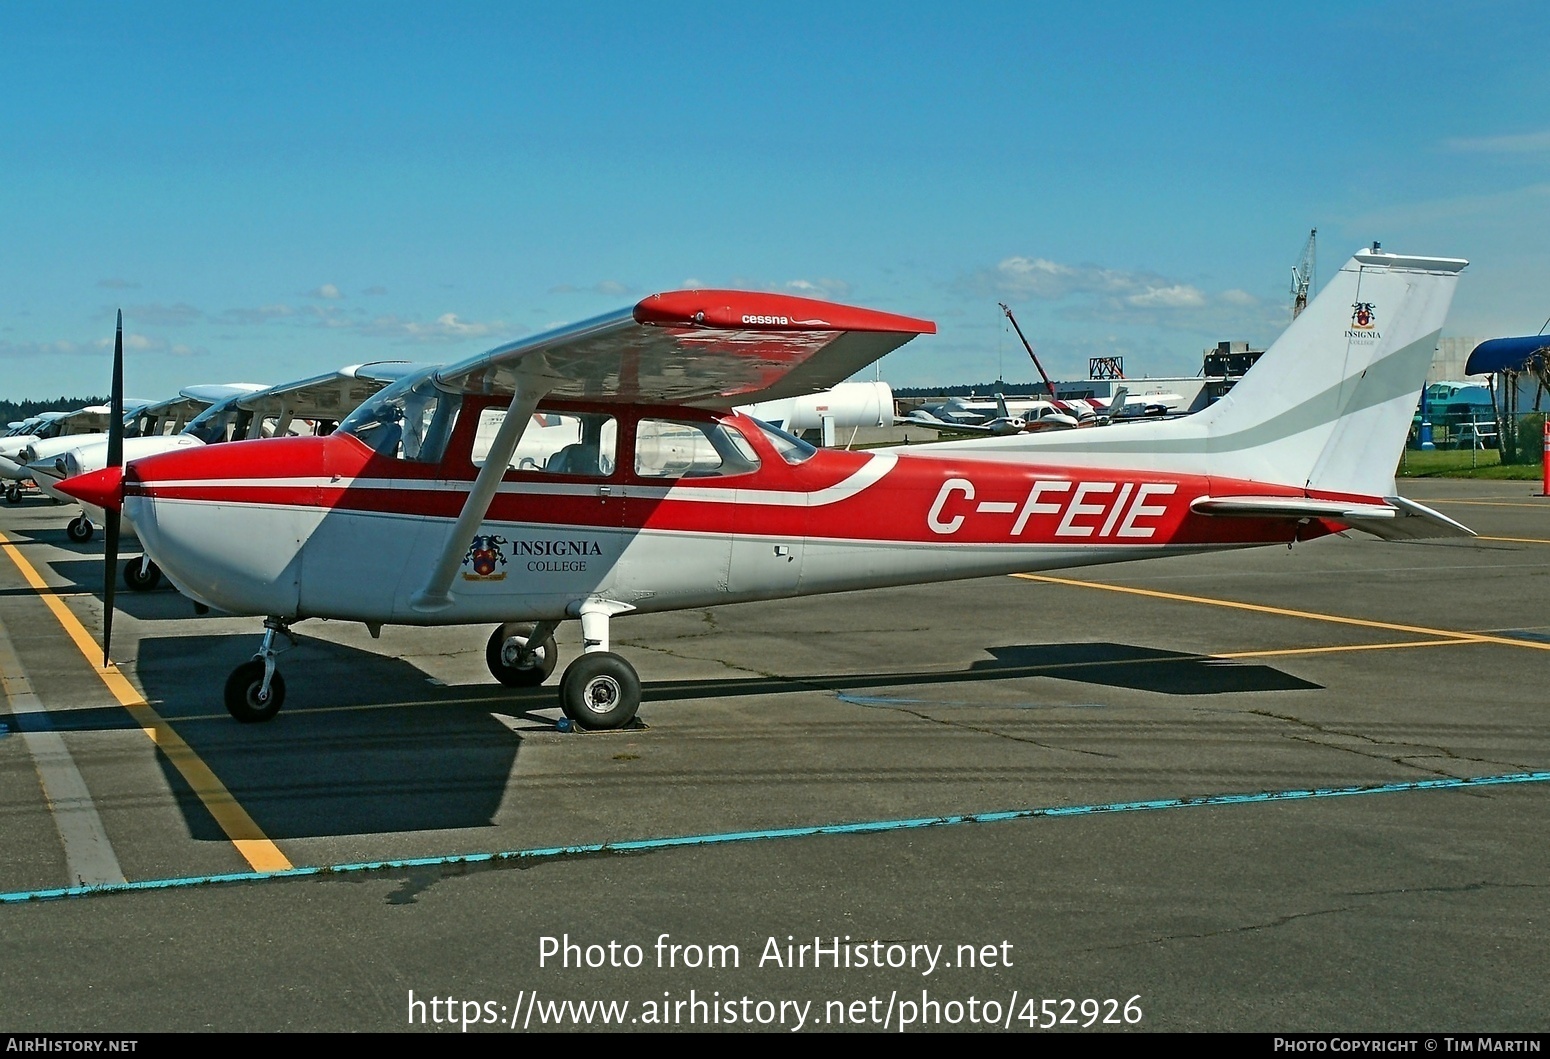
(1275,790)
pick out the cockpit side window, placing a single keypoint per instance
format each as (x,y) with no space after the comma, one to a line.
(672,448)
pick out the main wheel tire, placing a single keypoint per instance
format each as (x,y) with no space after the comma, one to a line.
(80,529)
(600,690)
(242,700)
(13,493)
(503,652)
(141,581)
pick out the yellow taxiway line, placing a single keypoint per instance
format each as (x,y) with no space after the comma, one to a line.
(1444,635)
(256,848)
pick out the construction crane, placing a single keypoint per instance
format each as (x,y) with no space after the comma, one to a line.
(1048,385)
(1303,276)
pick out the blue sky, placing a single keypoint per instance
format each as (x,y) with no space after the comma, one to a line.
(273,190)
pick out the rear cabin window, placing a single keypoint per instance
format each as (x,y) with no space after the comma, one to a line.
(585,443)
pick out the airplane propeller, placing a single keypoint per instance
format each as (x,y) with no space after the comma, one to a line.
(112,514)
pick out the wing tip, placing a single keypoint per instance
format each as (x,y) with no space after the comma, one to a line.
(766,311)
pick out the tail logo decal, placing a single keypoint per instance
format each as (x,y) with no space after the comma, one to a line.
(1364,321)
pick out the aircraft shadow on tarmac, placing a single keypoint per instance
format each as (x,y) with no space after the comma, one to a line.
(1110,664)
(163,601)
(367,745)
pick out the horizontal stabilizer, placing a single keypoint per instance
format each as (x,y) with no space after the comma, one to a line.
(1396,519)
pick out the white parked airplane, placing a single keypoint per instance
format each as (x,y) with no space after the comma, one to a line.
(240,411)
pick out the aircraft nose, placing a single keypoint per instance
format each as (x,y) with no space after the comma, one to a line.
(104,488)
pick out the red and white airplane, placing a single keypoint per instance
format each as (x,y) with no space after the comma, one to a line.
(598,471)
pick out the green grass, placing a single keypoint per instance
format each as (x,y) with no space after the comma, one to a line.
(1483,463)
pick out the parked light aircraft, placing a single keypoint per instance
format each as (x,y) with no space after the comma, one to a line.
(54,431)
(239,411)
(413,512)
(1039,415)
(146,430)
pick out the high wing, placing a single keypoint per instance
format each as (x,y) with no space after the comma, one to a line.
(707,348)
(330,396)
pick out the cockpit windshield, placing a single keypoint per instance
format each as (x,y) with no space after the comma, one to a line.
(792,449)
(409,420)
(214,424)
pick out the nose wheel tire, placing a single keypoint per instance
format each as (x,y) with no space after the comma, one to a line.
(504,655)
(13,493)
(242,693)
(80,529)
(141,576)
(600,690)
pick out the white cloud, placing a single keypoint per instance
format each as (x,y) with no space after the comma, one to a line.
(158,315)
(35,350)
(448,327)
(1177,296)
(1038,277)
(1521,143)
(1238,297)
(327,291)
(261,315)
(820,288)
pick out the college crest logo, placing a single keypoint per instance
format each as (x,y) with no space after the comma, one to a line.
(1362,316)
(486,558)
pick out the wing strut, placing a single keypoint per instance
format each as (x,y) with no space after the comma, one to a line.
(436,594)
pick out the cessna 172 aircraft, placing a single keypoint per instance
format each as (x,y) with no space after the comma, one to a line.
(434,504)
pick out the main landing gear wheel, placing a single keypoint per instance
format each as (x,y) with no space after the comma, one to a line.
(600,690)
(13,493)
(506,652)
(245,699)
(80,529)
(142,575)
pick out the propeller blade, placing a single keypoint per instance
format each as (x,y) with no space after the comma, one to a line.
(112,516)
(109,581)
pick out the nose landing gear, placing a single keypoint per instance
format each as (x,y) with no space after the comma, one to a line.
(255,691)
(141,574)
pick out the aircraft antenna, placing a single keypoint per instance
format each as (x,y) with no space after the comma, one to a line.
(1026,345)
(1304,276)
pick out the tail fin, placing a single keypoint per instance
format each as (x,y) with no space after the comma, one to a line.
(1327,407)
(1329,404)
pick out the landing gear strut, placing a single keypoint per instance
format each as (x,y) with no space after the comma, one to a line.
(600,689)
(13,493)
(80,529)
(521,655)
(255,691)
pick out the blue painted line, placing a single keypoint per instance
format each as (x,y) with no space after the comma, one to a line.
(722,838)
(878,700)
